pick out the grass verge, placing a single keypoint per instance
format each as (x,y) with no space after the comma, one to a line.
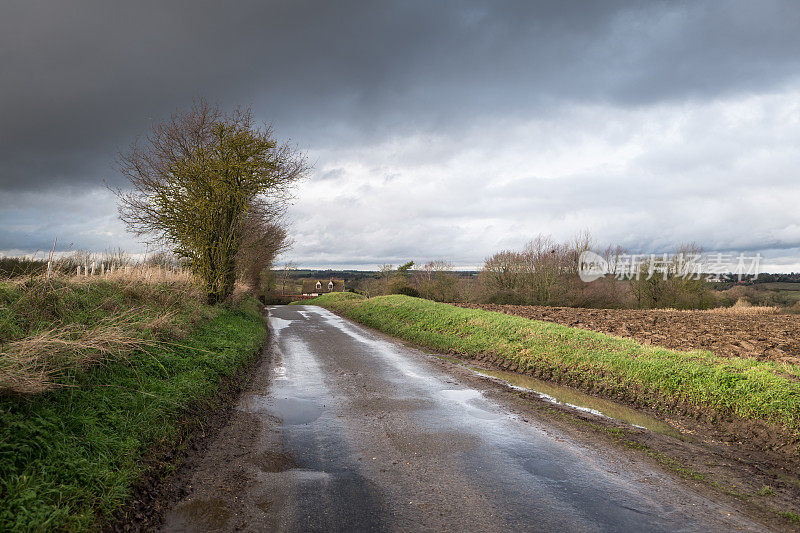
(665,379)
(71,445)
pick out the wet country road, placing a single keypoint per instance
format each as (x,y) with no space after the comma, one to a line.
(347,430)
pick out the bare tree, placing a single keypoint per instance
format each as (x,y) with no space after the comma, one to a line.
(544,264)
(613,255)
(503,271)
(284,275)
(672,280)
(263,240)
(435,281)
(194,179)
(581,242)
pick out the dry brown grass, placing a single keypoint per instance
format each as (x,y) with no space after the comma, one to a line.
(35,364)
(240,292)
(136,273)
(741,307)
(72,323)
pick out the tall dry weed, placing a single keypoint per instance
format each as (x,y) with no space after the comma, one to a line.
(36,363)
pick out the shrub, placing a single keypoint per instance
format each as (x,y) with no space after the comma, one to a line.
(406,291)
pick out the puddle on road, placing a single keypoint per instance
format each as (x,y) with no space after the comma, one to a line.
(278,323)
(461,395)
(292,410)
(295,411)
(546,469)
(211,513)
(561,395)
(465,397)
(280,372)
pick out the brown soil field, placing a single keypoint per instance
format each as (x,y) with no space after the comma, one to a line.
(763,333)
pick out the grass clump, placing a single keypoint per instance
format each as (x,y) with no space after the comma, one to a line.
(744,387)
(94,374)
(766,490)
(51,328)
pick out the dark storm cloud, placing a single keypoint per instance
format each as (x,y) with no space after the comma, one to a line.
(401,87)
(80,80)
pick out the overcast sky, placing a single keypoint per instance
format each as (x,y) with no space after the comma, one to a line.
(436,129)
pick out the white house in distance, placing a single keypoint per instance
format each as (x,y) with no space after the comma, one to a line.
(322,286)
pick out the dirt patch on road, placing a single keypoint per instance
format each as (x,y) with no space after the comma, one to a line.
(270,461)
(749,333)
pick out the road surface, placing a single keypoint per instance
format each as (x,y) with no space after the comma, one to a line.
(344,429)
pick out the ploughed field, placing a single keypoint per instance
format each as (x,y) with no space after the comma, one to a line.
(750,332)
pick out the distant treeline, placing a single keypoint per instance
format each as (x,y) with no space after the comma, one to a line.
(11,267)
(546,272)
(353,275)
(356,275)
(543,273)
(794,277)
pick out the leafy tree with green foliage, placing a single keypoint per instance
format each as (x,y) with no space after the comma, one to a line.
(194,180)
(405,268)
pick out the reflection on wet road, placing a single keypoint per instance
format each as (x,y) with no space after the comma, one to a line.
(562,395)
(373,436)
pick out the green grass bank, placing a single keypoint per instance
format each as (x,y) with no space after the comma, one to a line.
(93,376)
(668,380)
